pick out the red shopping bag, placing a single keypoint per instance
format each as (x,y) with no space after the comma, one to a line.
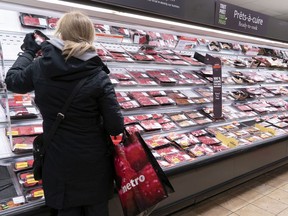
(140,181)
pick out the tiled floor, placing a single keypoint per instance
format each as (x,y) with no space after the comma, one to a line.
(266,195)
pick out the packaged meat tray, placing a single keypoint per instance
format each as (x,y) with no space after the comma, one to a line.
(25,130)
(147,101)
(244,108)
(187,141)
(22,144)
(201,100)
(164,80)
(138,73)
(129,120)
(23,165)
(253,138)
(34,194)
(183,101)
(163,163)
(32,20)
(23,113)
(159,59)
(168,126)
(185,123)
(241,133)
(215,130)
(208,140)
(178,117)
(123,99)
(129,104)
(218,147)
(16,102)
(146,82)
(163,120)
(196,151)
(26,180)
(157,115)
(176,95)
(174,136)
(179,62)
(142,57)
(194,114)
(137,94)
(149,125)
(167,150)
(265,135)
(192,60)
(157,142)
(177,158)
(121,76)
(230,127)
(202,120)
(121,94)
(198,133)
(281,124)
(157,93)
(134,128)
(143,117)
(128,83)
(164,100)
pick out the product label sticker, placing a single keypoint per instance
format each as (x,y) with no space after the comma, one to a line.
(21,165)
(39,193)
(31,181)
(18,200)
(38,129)
(42,21)
(13,133)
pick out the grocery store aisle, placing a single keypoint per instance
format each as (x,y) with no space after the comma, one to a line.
(266,195)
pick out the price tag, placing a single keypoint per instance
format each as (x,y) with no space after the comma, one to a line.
(22,146)
(21,165)
(32,181)
(18,200)
(13,133)
(39,193)
(38,129)
(42,21)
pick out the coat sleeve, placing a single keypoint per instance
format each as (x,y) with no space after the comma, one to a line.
(110,108)
(19,78)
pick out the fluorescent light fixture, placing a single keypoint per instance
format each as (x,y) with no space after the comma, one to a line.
(79,6)
(162,21)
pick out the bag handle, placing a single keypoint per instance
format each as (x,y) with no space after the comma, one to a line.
(61,114)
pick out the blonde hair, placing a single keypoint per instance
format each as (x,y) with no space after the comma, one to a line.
(77,31)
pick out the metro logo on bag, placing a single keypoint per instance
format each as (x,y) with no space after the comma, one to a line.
(140,181)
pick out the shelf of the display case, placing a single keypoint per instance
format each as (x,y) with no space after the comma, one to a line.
(222,155)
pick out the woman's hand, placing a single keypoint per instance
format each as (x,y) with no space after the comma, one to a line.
(30,45)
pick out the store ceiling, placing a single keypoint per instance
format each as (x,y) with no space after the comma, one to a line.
(273,8)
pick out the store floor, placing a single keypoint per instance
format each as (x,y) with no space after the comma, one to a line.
(266,195)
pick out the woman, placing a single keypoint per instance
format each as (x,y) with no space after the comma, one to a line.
(77,172)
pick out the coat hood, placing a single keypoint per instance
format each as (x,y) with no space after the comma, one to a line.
(74,68)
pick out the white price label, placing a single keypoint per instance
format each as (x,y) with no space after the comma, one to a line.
(18,200)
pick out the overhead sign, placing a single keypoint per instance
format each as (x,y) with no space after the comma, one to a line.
(240,19)
(197,11)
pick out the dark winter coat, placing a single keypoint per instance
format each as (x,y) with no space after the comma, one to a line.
(77,168)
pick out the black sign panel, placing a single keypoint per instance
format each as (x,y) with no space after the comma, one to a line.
(217,81)
(198,11)
(240,19)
